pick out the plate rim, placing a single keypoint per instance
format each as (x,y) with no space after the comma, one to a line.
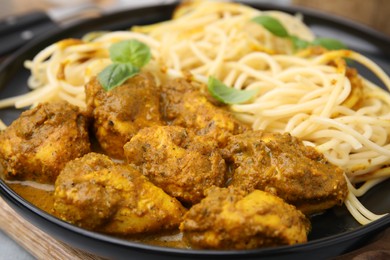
(7,193)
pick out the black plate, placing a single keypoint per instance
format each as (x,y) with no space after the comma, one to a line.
(333,233)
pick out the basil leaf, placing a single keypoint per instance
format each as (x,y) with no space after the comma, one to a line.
(131,51)
(128,57)
(115,74)
(329,43)
(276,28)
(227,95)
(272,25)
(299,43)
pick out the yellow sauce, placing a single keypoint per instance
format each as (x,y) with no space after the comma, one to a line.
(42,197)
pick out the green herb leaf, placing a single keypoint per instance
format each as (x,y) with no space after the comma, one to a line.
(299,43)
(227,95)
(128,57)
(115,74)
(329,43)
(276,28)
(272,25)
(131,51)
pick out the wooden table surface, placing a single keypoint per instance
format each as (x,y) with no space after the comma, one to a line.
(23,232)
(30,238)
(373,13)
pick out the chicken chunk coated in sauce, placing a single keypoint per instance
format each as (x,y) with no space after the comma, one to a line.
(282,165)
(38,144)
(230,218)
(184,104)
(181,163)
(121,112)
(96,193)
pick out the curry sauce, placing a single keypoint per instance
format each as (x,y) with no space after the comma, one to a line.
(42,197)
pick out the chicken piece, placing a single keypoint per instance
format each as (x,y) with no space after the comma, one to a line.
(229,218)
(38,144)
(121,112)
(185,105)
(96,193)
(284,166)
(182,164)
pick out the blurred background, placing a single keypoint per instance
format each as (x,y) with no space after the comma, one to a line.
(373,13)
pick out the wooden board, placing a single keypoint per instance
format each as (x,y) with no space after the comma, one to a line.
(30,237)
(373,13)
